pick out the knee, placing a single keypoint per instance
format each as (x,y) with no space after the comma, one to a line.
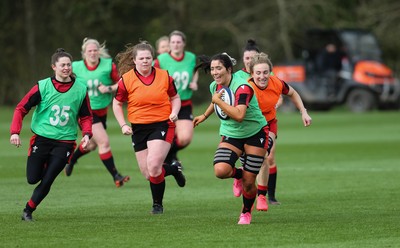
(153,168)
(184,141)
(104,145)
(154,172)
(271,159)
(220,175)
(33,180)
(91,147)
(249,185)
(222,172)
(144,172)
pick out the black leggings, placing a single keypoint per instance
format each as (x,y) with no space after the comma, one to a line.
(44,170)
(47,158)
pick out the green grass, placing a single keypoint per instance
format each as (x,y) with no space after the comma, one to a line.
(338,182)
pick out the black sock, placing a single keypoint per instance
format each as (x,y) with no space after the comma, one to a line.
(238,173)
(261,192)
(109,164)
(76,155)
(272,184)
(157,192)
(247,204)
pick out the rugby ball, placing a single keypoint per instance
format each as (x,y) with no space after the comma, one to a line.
(229,98)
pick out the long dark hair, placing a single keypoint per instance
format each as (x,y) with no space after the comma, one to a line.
(224,58)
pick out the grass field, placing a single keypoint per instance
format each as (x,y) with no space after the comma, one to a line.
(338,181)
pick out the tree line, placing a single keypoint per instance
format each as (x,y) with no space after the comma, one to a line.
(32,30)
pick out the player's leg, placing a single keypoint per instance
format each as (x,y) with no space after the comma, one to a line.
(273,128)
(262,186)
(262,178)
(225,158)
(273,173)
(254,160)
(35,170)
(79,152)
(183,133)
(255,153)
(101,138)
(157,151)
(55,163)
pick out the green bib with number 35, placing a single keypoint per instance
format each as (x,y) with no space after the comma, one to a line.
(56,116)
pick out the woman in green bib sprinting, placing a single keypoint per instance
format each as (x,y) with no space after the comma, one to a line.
(244,131)
(100,75)
(60,101)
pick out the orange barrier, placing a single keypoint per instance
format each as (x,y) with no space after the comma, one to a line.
(290,73)
(372,72)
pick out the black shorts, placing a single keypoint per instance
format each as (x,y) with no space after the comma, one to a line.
(142,133)
(259,139)
(42,147)
(102,119)
(186,113)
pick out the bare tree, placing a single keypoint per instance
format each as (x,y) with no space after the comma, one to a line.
(284,34)
(30,37)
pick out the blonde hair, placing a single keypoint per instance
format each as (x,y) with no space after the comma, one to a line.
(162,38)
(179,33)
(260,58)
(125,58)
(102,47)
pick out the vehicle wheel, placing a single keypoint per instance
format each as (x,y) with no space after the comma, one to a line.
(361,100)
